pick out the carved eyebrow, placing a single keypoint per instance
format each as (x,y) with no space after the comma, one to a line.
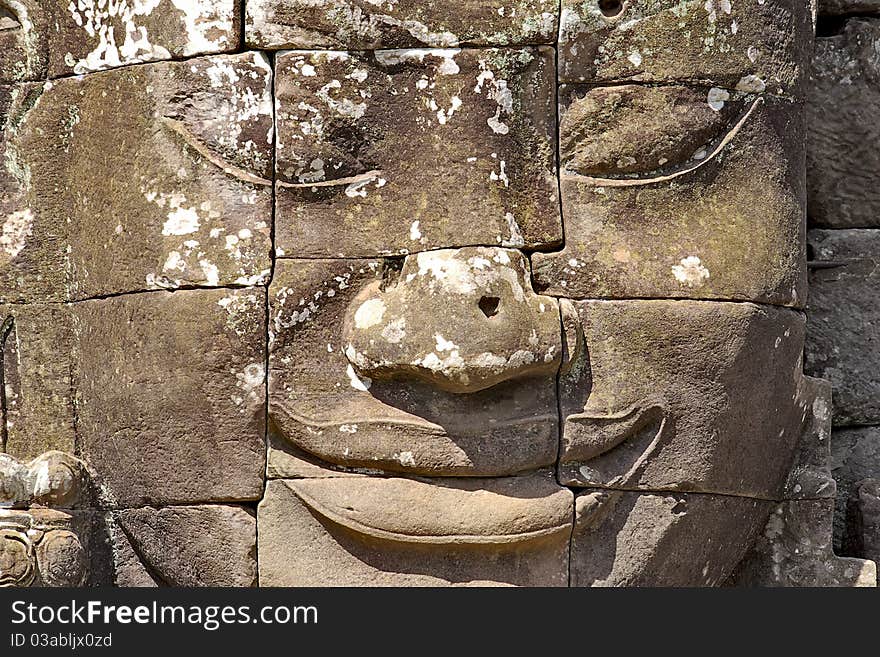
(634,182)
(369,176)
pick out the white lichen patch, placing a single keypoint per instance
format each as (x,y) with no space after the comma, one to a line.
(515,237)
(394,332)
(691,272)
(358,383)
(243,312)
(717,97)
(181,221)
(751,84)
(118,30)
(251,381)
(17,227)
(369,313)
(496,89)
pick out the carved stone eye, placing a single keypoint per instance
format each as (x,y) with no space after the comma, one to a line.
(16,559)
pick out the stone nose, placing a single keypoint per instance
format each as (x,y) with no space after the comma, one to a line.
(461,319)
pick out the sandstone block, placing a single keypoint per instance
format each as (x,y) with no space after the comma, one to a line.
(201,545)
(178,415)
(57,37)
(663,539)
(842,156)
(843,326)
(371,25)
(653,399)
(176,194)
(37,378)
(359,377)
(749,46)
(659,190)
(409,150)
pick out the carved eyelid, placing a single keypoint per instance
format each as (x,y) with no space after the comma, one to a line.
(634,182)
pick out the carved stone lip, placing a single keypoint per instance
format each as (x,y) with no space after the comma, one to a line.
(471,513)
(611,450)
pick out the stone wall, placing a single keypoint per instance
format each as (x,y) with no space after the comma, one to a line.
(843,330)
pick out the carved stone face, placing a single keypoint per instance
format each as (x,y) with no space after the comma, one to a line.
(454,371)
(512,289)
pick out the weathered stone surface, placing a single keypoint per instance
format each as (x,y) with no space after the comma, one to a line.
(367,531)
(851,7)
(191,546)
(749,46)
(44,547)
(127,568)
(402,421)
(54,479)
(652,399)
(371,24)
(795,549)
(844,321)
(178,415)
(177,193)
(48,535)
(37,378)
(855,457)
(24,34)
(628,539)
(842,159)
(863,514)
(810,475)
(60,38)
(660,187)
(408,150)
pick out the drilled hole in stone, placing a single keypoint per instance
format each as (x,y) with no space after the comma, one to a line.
(610,8)
(489,305)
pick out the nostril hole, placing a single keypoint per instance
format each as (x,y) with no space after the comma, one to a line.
(610,8)
(489,305)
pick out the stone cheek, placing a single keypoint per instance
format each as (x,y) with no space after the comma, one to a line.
(179,416)
(654,401)
(748,46)
(410,150)
(354,25)
(190,161)
(647,217)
